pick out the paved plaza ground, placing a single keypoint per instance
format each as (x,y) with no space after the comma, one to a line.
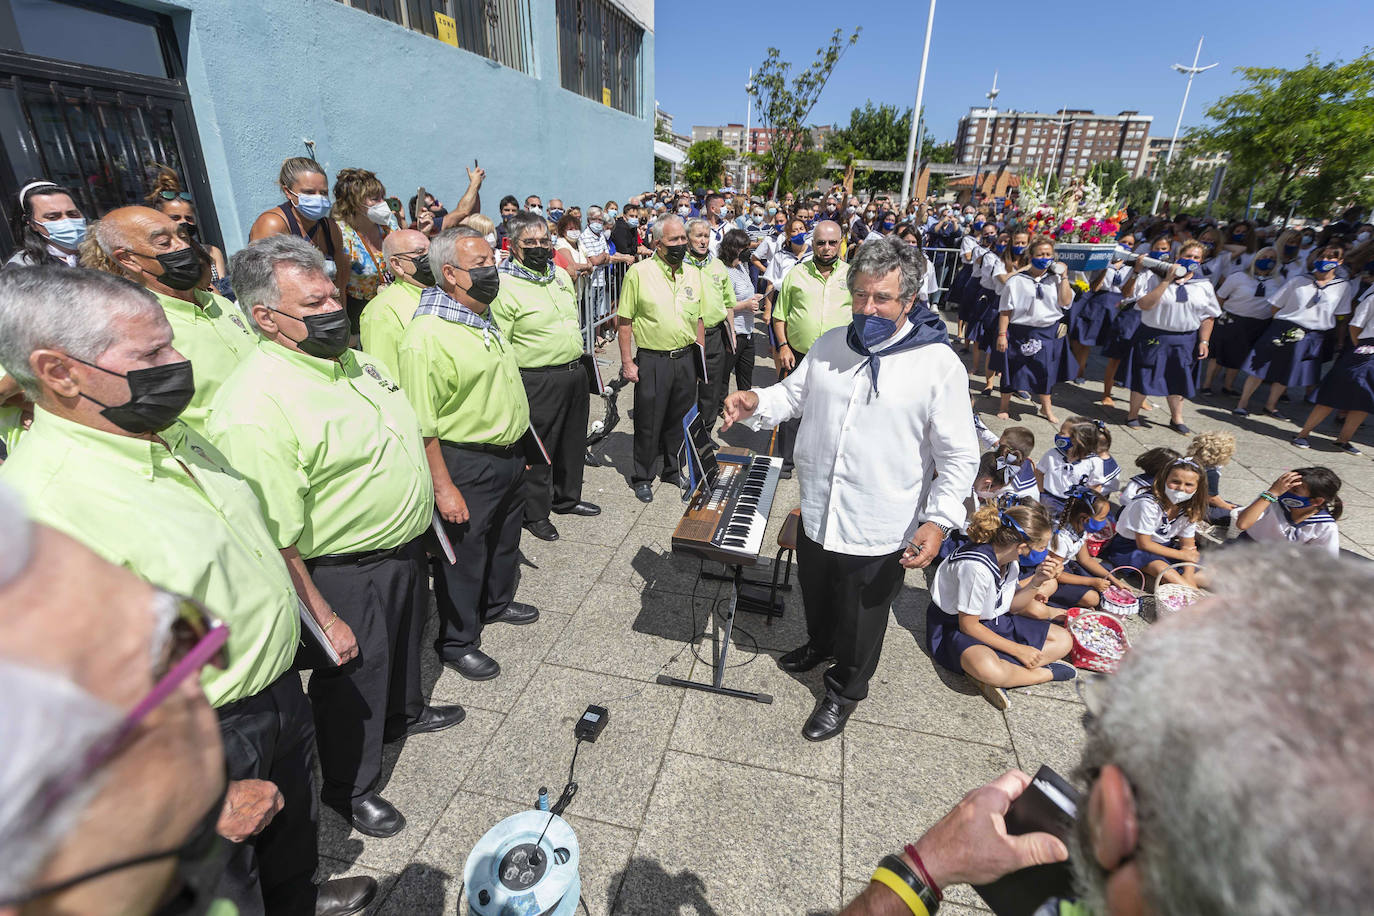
(698,804)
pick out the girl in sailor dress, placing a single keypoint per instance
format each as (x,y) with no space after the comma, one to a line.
(1127,321)
(1175,332)
(1301,507)
(970,624)
(1217,261)
(1074,461)
(1150,462)
(982,322)
(967,247)
(1091,317)
(1033,355)
(974,252)
(1291,264)
(1158,527)
(1111,470)
(1245,314)
(1349,386)
(1083,578)
(1289,352)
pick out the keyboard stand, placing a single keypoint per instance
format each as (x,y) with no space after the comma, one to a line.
(717,684)
(755,595)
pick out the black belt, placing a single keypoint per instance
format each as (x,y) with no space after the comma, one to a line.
(504,451)
(355,559)
(561,367)
(671,354)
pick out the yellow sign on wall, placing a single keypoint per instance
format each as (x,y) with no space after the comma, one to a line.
(605,96)
(447,28)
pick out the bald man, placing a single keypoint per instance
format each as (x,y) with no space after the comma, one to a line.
(385,318)
(207,329)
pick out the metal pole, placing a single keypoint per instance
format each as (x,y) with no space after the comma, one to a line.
(1249,199)
(1192,71)
(916,118)
(748,133)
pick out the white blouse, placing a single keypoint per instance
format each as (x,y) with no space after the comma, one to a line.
(1144,515)
(969,586)
(1244,297)
(990,265)
(1173,316)
(1313,307)
(1317,530)
(1031,302)
(1060,475)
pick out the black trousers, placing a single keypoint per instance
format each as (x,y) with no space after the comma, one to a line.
(744,361)
(558,413)
(847,599)
(666,390)
(719,359)
(384,603)
(487,546)
(271,736)
(787,432)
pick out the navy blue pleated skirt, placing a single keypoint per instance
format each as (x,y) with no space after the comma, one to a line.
(1116,343)
(1121,551)
(985,319)
(1233,337)
(968,299)
(1162,362)
(946,642)
(1036,360)
(1287,354)
(1091,316)
(1350,383)
(956,287)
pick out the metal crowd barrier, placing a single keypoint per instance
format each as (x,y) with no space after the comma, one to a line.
(946,263)
(598,295)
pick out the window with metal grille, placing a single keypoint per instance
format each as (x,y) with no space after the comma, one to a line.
(600,53)
(498,30)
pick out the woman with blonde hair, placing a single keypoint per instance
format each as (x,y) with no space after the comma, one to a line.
(305,214)
(483,224)
(1288,248)
(1245,311)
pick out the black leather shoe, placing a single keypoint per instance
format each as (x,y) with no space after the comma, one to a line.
(430,719)
(827,720)
(345,896)
(580,508)
(542,529)
(516,613)
(375,816)
(801,659)
(644,492)
(475,665)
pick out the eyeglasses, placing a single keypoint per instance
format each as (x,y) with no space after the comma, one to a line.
(174,195)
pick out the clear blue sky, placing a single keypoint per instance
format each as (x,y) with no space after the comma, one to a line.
(1119,54)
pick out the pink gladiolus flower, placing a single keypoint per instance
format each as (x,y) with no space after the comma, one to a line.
(1095,239)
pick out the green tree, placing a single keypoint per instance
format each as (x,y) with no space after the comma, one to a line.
(705,160)
(1183,182)
(1309,128)
(874,132)
(1137,194)
(1109,172)
(785,104)
(936,152)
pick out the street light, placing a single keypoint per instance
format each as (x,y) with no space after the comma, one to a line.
(1192,71)
(991,96)
(916,118)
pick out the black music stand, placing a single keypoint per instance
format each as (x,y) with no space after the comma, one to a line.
(717,684)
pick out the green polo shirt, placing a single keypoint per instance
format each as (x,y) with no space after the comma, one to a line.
(810,304)
(177,516)
(717,293)
(664,307)
(11,423)
(539,319)
(214,336)
(463,382)
(331,447)
(384,320)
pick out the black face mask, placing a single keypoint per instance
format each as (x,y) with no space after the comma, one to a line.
(536,259)
(674,254)
(825,260)
(326,334)
(157,396)
(180,269)
(421,273)
(486,283)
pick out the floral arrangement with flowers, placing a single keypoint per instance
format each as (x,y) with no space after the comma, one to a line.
(1083,211)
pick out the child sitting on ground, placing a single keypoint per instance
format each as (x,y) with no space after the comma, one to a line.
(1150,462)
(1214,451)
(1301,507)
(1159,527)
(970,627)
(1083,579)
(1072,462)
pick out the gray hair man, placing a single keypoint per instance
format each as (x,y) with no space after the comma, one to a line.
(107,463)
(660,315)
(332,449)
(866,516)
(1226,761)
(537,311)
(717,314)
(459,370)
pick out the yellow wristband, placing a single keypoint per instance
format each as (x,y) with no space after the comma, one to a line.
(899,887)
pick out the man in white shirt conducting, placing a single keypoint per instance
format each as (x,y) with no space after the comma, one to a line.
(886,455)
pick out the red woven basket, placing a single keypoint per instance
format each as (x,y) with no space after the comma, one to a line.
(1080,656)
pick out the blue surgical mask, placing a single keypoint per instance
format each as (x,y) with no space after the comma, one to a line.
(1324,265)
(67,232)
(1017,249)
(1160,255)
(889,225)
(1062,443)
(612,214)
(1094,525)
(1291,500)
(811,222)
(555,214)
(1034,558)
(1041,263)
(798,239)
(1290,250)
(977,224)
(1264,263)
(632,222)
(772,211)
(1237,236)
(313,206)
(1187,263)
(596,225)
(874,329)
(1000,247)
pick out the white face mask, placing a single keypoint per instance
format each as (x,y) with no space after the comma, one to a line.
(379,213)
(683,210)
(491,239)
(1176,495)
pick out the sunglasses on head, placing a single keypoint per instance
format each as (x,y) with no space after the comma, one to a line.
(174,195)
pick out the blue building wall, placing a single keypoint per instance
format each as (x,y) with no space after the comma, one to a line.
(264,75)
